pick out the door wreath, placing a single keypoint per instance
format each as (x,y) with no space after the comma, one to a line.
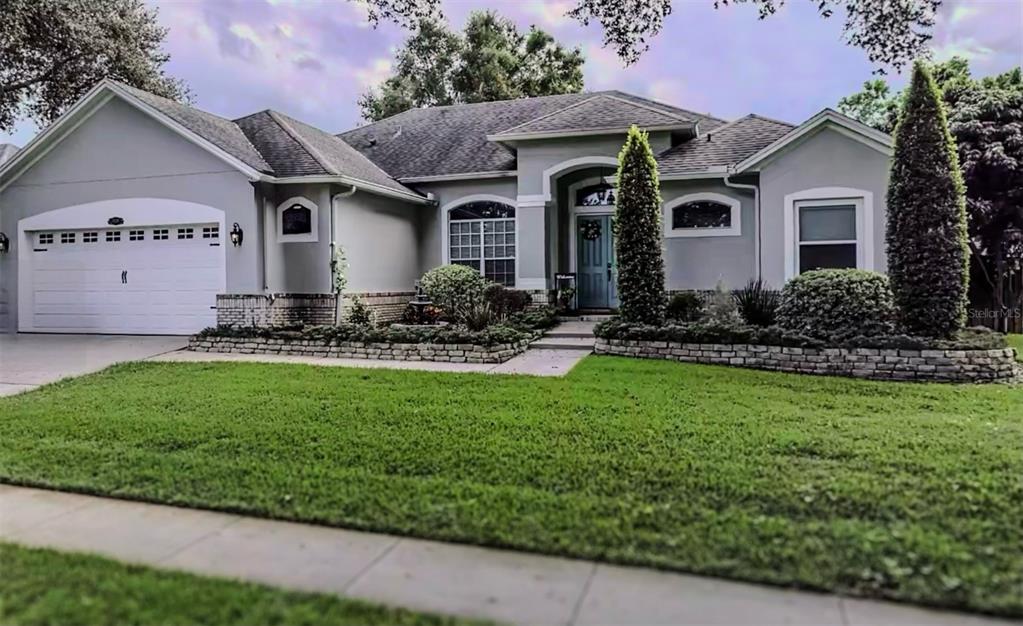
(591,230)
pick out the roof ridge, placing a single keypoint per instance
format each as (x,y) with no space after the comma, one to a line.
(771,119)
(313,152)
(546,115)
(661,103)
(643,105)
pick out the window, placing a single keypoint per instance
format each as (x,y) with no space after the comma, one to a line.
(601,194)
(826,236)
(113,235)
(90,237)
(185,233)
(702,215)
(160,234)
(45,238)
(481,235)
(211,232)
(67,237)
(136,235)
(296,221)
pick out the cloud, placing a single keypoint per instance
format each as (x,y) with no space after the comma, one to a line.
(968,48)
(668,90)
(962,13)
(306,62)
(551,13)
(602,66)
(375,73)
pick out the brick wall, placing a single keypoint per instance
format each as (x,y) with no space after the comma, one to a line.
(308,309)
(918,365)
(387,306)
(453,353)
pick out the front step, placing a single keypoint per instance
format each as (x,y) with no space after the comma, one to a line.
(563,343)
(593,317)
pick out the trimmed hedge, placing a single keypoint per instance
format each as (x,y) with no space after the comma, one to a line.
(453,288)
(838,304)
(708,332)
(333,335)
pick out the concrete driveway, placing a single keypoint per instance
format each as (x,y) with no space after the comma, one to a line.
(27,361)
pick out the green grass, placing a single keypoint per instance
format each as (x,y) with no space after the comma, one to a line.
(1016,341)
(47,587)
(906,491)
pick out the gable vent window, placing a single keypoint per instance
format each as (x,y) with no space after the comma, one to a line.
(136,235)
(481,235)
(186,233)
(703,215)
(211,232)
(297,220)
(160,234)
(113,235)
(90,237)
(67,237)
(45,238)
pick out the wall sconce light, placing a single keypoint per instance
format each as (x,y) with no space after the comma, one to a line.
(5,243)
(236,234)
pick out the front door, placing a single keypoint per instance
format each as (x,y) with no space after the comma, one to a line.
(596,270)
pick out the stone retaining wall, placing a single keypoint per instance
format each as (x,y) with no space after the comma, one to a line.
(449,352)
(918,365)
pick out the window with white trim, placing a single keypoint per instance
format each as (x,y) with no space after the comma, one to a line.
(297,221)
(113,235)
(92,237)
(67,237)
(160,234)
(481,235)
(826,235)
(136,235)
(185,233)
(211,232)
(45,238)
(703,215)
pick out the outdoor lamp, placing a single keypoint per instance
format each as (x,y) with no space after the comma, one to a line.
(5,243)
(605,191)
(236,234)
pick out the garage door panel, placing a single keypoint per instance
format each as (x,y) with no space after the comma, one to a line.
(145,286)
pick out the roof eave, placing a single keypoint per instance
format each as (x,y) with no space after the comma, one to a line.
(564,134)
(343,179)
(828,118)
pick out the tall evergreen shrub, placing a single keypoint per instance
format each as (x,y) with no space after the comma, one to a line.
(928,256)
(638,233)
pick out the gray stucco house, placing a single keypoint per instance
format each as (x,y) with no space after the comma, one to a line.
(136,214)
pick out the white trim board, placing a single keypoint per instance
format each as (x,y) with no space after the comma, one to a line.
(735,204)
(314,216)
(569,165)
(445,231)
(861,198)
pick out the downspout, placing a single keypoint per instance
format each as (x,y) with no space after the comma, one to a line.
(758,263)
(333,245)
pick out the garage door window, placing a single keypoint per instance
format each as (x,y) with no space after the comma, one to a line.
(113,235)
(67,237)
(90,237)
(211,232)
(45,238)
(136,235)
(185,233)
(160,234)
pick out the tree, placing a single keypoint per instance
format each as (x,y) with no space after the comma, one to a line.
(637,229)
(53,51)
(986,119)
(928,258)
(492,60)
(892,32)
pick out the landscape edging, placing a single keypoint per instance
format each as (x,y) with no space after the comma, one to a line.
(871,363)
(445,352)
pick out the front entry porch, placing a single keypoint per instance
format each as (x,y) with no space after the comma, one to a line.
(595,268)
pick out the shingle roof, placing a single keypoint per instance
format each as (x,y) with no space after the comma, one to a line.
(601,112)
(453,139)
(221,132)
(7,151)
(281,150)
(726,145)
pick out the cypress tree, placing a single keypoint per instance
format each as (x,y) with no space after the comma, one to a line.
(637,229)
(928,255)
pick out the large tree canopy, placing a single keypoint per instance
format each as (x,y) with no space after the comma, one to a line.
(986,119)
(490,61)
(892,32)
(53,51)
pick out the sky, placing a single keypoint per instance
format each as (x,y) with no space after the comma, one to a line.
(312,59)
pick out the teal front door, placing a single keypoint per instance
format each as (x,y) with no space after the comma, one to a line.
(595,268)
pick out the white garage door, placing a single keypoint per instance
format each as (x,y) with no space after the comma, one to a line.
(126,280)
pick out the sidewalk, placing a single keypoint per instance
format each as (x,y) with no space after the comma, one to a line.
(502,585)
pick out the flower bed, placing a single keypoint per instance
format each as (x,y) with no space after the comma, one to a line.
(427,343)
(973,357)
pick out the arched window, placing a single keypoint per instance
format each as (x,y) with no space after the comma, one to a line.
(297,221)
(601,194)
(702,215)
(481,235)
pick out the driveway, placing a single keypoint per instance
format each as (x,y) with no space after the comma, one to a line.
(27,361)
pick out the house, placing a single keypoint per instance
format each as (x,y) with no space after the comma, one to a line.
(136,214)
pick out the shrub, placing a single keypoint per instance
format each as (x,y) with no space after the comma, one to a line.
(539,318)
(504,301)
(420,315)
(719,307)
(637,227)
(359,313)
(453,287)
(928,255)
(477,315)
(757,304)
(686,306)
(837,304)
(493,335)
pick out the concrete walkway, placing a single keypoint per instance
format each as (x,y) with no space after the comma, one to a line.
(431,576)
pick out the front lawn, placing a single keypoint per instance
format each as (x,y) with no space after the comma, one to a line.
(906,491)
(47,587)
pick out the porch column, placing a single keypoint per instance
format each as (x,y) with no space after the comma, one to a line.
(531,238)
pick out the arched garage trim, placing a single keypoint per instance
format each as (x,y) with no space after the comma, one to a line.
(134,212)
